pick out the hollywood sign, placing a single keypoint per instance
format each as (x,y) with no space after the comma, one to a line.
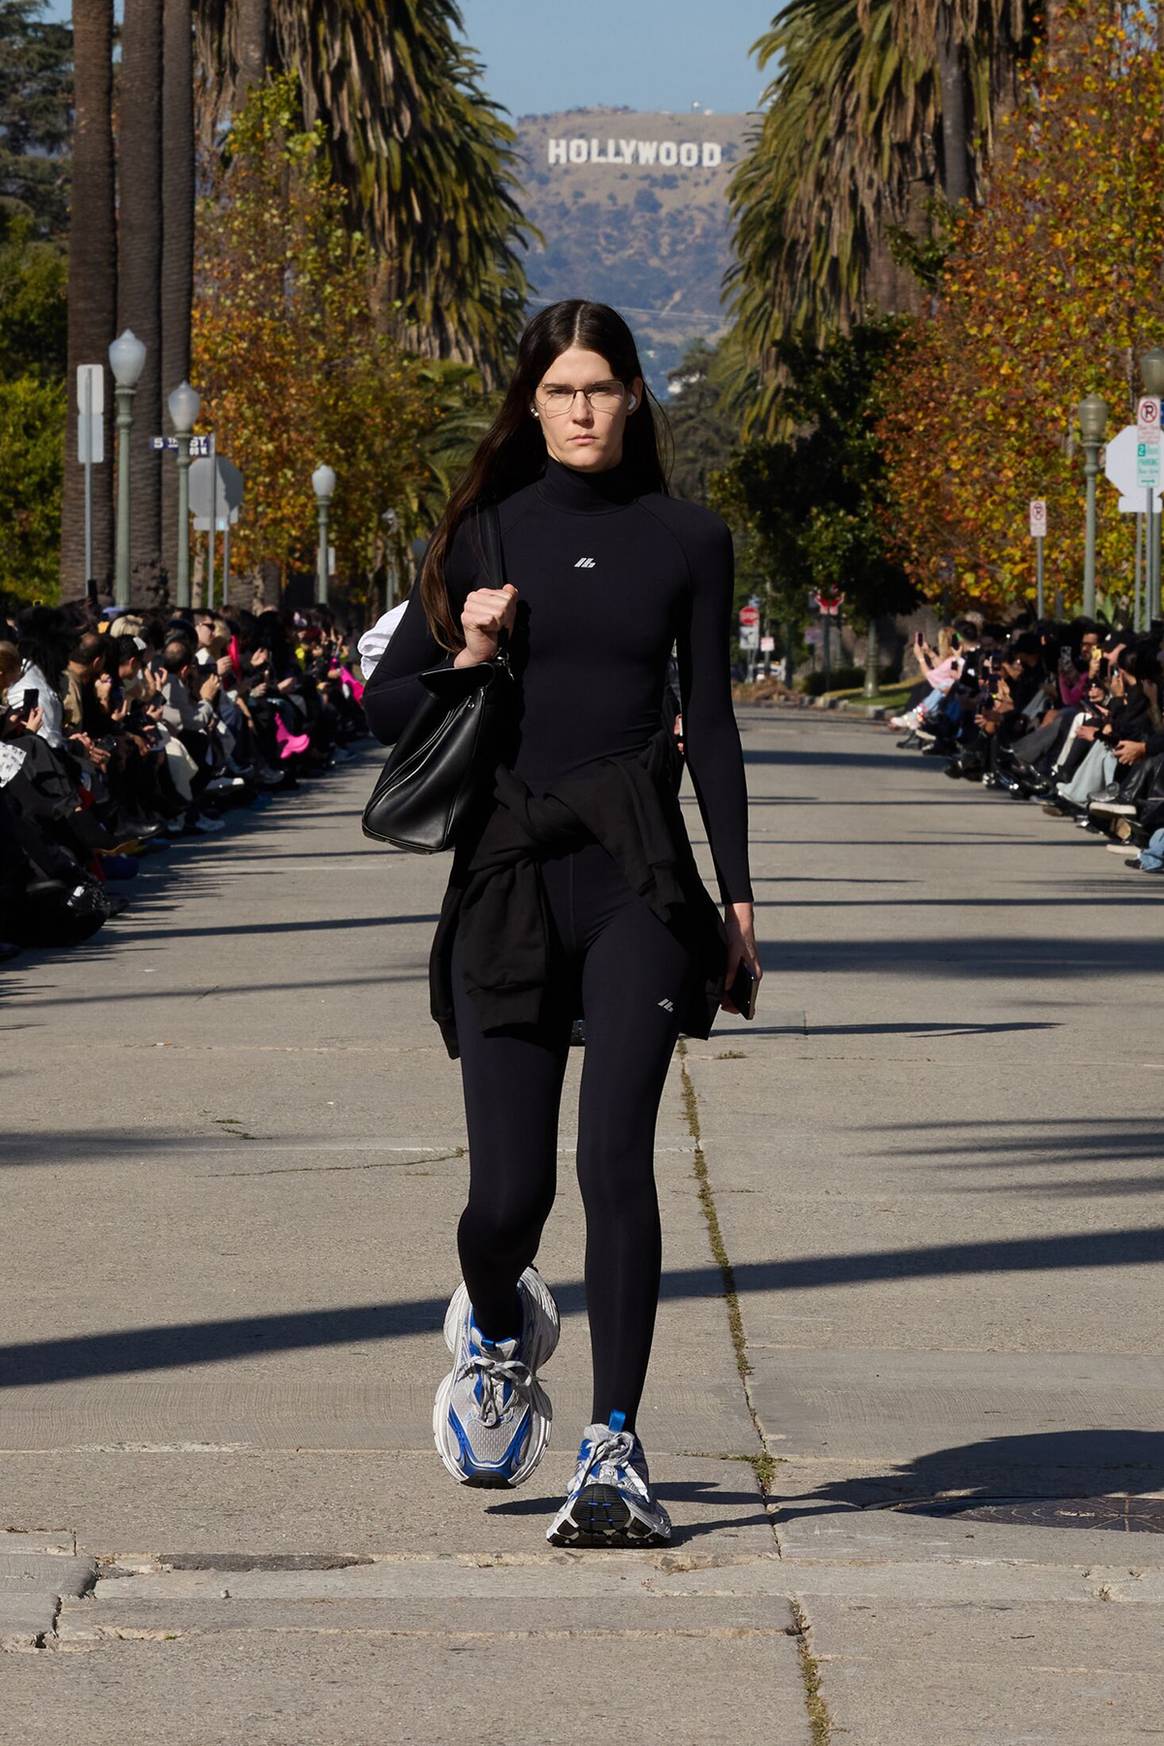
(668,153)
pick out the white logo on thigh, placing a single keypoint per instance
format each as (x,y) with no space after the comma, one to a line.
(584,564)
(667,1005)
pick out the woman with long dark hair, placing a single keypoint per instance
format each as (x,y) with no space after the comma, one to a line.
(573,890)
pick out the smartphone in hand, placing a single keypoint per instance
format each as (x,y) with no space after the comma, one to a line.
(743,992)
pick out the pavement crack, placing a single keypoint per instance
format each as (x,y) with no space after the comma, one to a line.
(763,1463)
(819,1720)
(317,1169)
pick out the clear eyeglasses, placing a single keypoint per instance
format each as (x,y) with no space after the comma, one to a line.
(555,400)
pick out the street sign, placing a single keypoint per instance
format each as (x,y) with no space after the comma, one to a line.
(90,410)
(202,522)
(749,615)
(829,603)
(200,446)
(767,645)
(1148,417)
(1038,518)
(1148,463)
(90,439)
(229,490)
(91,389)
(1120,469)
(749,636)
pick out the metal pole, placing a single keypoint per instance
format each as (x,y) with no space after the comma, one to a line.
(872,660)
(183,572)
(1090,473)
(88,409)
(1040,604)
(124,427)
(321,574)
(1140,589)
(213,528)
(226,558)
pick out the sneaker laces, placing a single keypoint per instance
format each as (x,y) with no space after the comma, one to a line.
(494,1373)
(618,1447)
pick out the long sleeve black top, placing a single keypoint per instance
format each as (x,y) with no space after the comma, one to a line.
(607,582)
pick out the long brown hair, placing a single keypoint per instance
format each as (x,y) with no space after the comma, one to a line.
(512,453)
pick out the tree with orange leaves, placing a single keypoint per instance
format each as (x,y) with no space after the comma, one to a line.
(1051,291)
(291,364)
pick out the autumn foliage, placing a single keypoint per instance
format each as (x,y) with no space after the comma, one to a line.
(292,366)
(1053,289)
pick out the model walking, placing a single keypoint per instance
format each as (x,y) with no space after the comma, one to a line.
(573,888)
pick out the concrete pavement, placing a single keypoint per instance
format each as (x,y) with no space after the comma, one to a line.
(905,1402)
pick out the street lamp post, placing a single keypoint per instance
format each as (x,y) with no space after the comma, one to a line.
(127,357)
(1092,423)
(185,403)
(1152,376)
(323,484)
(391,522)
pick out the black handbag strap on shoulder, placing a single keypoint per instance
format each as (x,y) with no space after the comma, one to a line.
(489,538)
(493,554)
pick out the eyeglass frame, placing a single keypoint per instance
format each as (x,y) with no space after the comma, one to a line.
(595,388)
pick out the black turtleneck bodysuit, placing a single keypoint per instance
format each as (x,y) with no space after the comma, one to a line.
(607,582)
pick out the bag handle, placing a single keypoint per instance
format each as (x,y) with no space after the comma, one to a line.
(493,551)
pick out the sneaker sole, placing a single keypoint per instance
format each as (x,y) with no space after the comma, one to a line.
(600,1516)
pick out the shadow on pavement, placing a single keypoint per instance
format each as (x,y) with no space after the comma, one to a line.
(128,1350)
(1097,1476)
(1041,955)
(702,1492)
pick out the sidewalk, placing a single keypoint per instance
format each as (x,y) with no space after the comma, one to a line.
(911,1306)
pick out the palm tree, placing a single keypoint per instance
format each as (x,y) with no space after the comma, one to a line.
(92,279)
(875,107)
(425,158)
(140,259)
(177,229)
(253,43)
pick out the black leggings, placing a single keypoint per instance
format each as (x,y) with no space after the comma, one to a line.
(625,971)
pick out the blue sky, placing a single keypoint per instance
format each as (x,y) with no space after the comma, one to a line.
(649,54)
(544,55)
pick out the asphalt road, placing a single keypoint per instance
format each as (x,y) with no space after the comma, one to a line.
(905,1406)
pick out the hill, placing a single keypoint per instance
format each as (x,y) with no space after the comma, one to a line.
(633,208)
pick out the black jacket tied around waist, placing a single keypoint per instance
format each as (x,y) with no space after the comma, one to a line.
(496,903)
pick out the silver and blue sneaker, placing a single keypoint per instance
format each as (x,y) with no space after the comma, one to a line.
(491,1421)
(610,1502)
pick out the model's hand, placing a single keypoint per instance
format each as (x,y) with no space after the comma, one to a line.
(486,613)
(741,941)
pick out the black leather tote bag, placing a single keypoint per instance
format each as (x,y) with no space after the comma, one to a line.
(447,749)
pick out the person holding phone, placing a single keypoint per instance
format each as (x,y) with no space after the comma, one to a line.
(25,689)
(601,911)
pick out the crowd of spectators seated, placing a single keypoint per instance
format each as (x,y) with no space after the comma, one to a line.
(120,733)
(1064,714)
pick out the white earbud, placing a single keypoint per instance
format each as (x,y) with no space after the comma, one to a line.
(631,404)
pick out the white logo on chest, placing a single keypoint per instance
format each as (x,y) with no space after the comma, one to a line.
(584,564)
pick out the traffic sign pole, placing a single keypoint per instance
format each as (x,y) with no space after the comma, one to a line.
(1038,523)
(87,411)
(212,536)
